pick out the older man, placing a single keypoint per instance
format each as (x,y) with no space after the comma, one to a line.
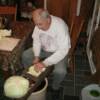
(50,41)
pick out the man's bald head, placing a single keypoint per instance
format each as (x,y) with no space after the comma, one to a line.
(41,18)
(40,13)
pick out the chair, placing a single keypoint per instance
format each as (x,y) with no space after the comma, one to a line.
(75,29)
(8,12)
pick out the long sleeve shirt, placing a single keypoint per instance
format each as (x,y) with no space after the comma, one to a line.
(56,39)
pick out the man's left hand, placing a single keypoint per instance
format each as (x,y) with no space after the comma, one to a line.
(39,66)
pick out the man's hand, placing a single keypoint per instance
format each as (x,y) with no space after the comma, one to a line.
(39,66)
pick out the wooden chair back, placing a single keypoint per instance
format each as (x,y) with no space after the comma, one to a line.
(75,29)
(9,12)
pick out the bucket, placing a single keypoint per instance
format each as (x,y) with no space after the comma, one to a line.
(91,92)
(40,93)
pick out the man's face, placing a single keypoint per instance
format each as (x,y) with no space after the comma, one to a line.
(41,23)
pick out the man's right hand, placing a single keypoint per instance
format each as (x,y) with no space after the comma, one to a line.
(36,60)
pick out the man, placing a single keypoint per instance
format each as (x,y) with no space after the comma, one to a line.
(50,41)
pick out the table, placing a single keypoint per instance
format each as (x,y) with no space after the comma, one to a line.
(11,60)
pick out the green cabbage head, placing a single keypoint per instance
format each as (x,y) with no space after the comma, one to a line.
(16,87)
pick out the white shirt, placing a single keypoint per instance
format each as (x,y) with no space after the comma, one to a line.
(56,39)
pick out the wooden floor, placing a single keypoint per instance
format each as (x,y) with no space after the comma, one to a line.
(50,96)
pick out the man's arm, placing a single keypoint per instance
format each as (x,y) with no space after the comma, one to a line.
(64,46)
(36,42)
